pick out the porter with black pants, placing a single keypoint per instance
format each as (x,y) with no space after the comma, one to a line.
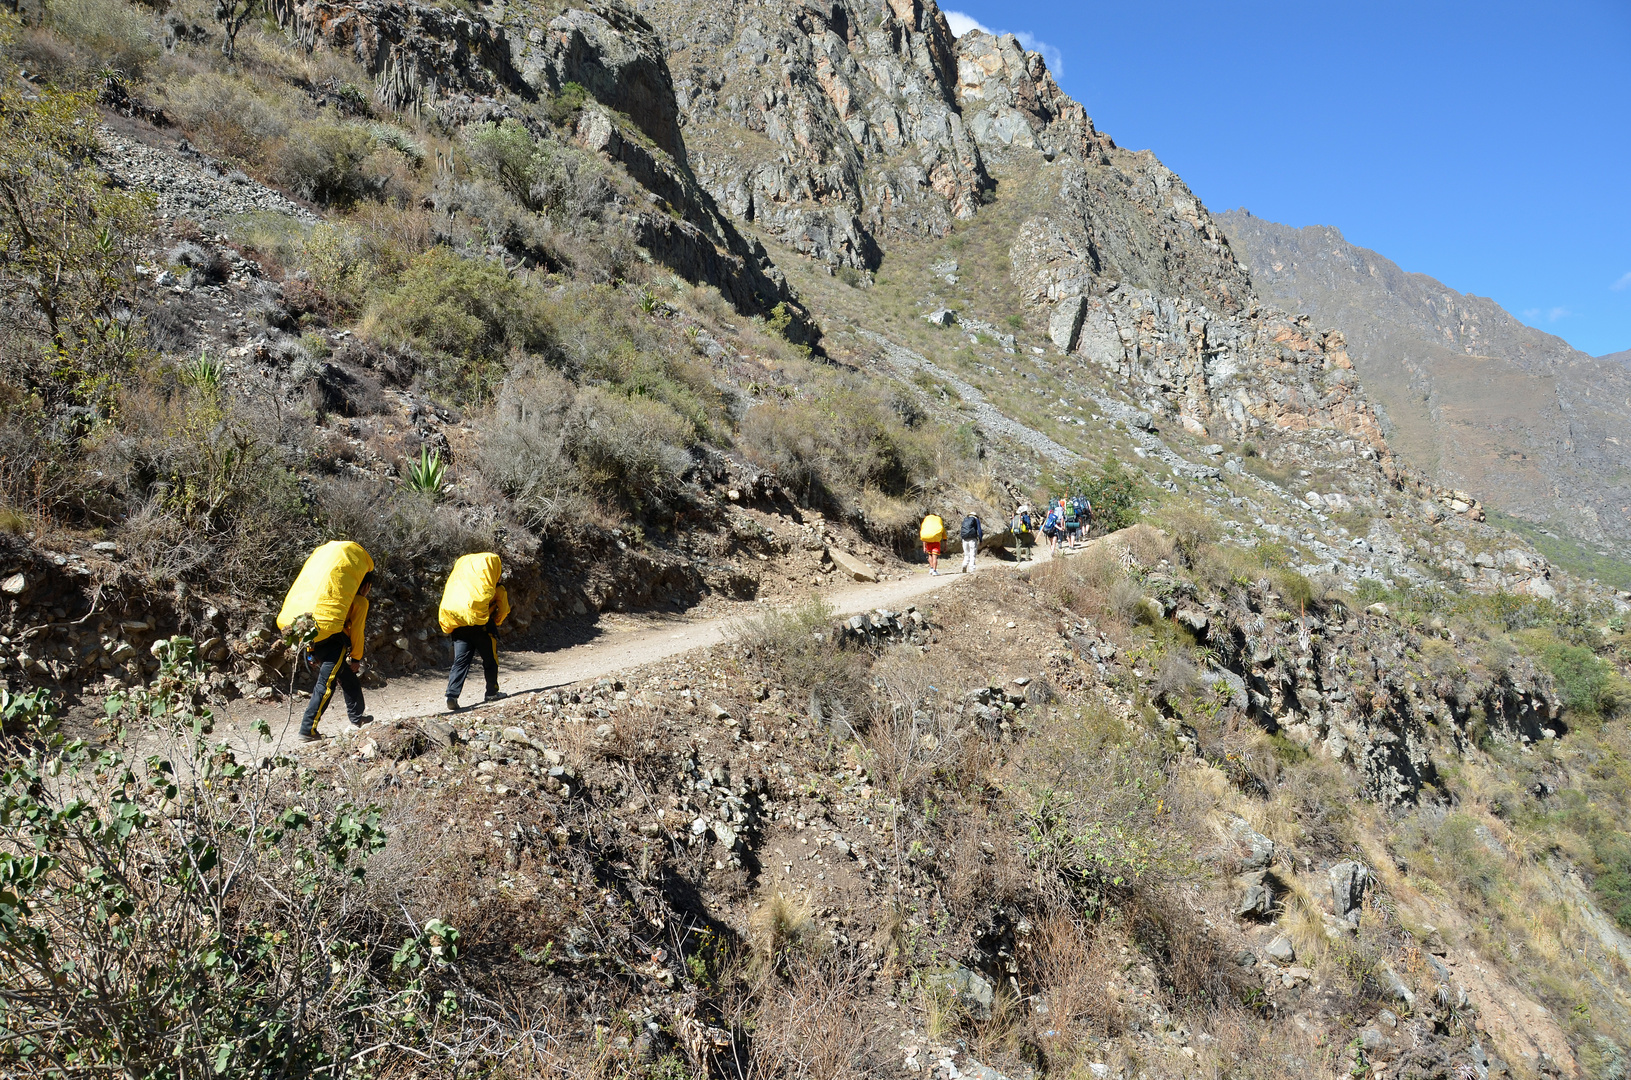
(333,666)
(470,642)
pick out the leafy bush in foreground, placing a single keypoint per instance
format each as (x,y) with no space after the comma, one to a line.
(189,915)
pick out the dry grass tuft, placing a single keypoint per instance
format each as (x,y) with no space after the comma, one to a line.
(1075,969)
(811,1027)
(782,922)
(1148,544)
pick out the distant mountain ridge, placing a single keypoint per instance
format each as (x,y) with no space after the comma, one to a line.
(1472,396)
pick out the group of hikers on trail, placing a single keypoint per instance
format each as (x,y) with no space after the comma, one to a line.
(1065,527)
(332,590)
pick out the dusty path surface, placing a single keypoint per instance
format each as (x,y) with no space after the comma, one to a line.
(624,642)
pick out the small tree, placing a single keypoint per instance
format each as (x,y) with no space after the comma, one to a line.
(232,15)
(67,241)
(1114,493)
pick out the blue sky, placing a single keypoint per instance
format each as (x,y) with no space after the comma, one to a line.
(1486,144)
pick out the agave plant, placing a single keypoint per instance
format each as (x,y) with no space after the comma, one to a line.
(204,373)
(427,474)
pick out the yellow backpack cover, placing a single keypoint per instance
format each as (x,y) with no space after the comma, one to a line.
(326,586)
(933,529)
(473,592)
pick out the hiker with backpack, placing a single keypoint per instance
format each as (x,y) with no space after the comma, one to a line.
(1052,526)
(473,605)
(1073,522)
(933,534)
(1021,528)
(1084,513)
(971,534)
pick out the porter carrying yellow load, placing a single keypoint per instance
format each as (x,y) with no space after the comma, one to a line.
(473,606)
(333,589)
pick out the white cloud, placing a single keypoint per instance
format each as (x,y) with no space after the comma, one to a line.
(1622,284)
(1558,313)
(1551,315)
(1050,53)
(962,23)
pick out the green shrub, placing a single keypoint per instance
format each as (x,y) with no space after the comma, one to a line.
(323,162)
(194,915)
(830,449)
(67,241)
(1192,532)
(1114,493)
(544,175)
(206,498)
(504,153)
(552,448)
(466,314)
(1297,591)
(565,104)
(114,32)
(1455,848)
(629,449)
(227,116)
(1612,881)
(1584,681)
(800,647)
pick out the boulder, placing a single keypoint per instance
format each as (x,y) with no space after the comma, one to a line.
(1065,324)
(1392,985)
(619,58)
(1348,881)
(1259,848)
(1257,896)
(1281,951)
(967,987)
(942,317)
(852,566)
(401,742)
(437,733)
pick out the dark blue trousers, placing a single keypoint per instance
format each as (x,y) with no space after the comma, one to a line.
(470,642)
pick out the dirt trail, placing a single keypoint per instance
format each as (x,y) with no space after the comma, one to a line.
(625,642)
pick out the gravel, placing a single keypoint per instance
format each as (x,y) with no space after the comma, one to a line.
(188,184)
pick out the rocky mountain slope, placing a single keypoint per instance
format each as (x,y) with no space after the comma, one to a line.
(1476,398)
(706,302)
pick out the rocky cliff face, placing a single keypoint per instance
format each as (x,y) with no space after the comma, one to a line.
(463,65)
(1477,399)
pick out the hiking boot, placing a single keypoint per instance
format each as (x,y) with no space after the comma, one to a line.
(452,704)
(313,736)
(495,695)
(359,721)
